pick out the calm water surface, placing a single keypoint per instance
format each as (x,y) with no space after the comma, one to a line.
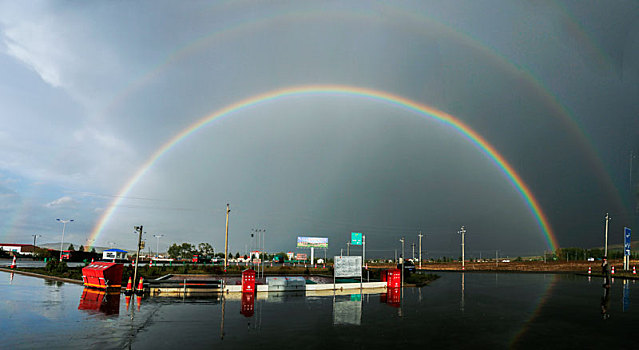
(479,310)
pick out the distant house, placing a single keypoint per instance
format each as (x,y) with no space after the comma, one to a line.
(22,249)
(114,254)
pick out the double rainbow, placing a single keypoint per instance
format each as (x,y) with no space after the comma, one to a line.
(354,92)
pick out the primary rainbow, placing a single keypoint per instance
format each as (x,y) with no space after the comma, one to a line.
(349,91)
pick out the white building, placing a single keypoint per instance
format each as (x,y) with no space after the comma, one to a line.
(114,254)
(22,249)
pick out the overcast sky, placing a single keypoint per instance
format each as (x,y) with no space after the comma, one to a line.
(90,90)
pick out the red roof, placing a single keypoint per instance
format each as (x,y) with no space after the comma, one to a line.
(16,245)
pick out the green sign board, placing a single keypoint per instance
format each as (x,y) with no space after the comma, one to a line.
(356,238)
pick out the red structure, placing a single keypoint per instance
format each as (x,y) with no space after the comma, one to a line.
(393,278)
(248,281)
(103,275)
(107,303)
(248,304)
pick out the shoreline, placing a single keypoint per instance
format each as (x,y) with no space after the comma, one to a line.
(32,274)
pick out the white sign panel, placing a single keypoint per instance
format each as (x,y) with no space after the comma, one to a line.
(348,266)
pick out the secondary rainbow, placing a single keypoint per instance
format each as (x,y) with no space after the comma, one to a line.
(348,91)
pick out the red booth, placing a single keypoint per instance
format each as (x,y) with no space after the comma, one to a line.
(393,278)
(248,281)
(103,275)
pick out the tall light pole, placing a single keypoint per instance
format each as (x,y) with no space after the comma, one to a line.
(402,257)
(348,248)
(462,231)
(420,235)
(157,245)
(608,218)
(64,225)
(226,240)
(137,256)
(34,238)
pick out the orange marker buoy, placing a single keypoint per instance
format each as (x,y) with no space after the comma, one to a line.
(589,270)
(140,289)
(129,288)
(13,263)
(634,270)
(613,270)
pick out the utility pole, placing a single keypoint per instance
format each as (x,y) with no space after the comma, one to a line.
(157,245)
(226,239)
(137,257)
(402,258)
(496,258)
(363,250)
(420,235)
(348,248)
(64,225)
(413,246)
(34,239)
(608,218)
(463,234)
(630,177)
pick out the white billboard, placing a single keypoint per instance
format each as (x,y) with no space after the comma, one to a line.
(348,266)
(312,242)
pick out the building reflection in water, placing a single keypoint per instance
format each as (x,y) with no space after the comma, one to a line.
(248,304)
(392,297)
(107,303)
(347,311)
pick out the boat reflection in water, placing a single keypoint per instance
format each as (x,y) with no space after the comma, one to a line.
(107,303)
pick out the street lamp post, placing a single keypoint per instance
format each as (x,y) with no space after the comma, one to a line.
(157,245)
(64,225)
(402,257)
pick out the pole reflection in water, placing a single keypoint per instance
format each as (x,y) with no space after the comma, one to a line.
(11,278)
(605,303)
(462,293)
(222,323)
(626,295)
(107,303)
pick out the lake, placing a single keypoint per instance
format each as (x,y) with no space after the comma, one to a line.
(481,310)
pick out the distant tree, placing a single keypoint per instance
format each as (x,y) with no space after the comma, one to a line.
(237,255)
(205,249)
(71,247)
(93,250)
(81,249)
(42,253)
(184,251)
